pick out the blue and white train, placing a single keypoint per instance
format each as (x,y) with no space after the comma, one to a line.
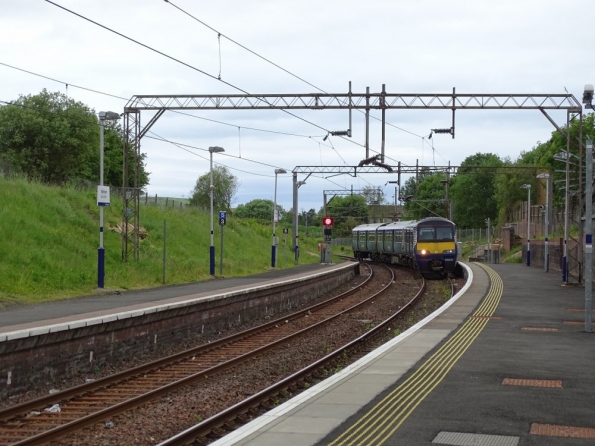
(428,245)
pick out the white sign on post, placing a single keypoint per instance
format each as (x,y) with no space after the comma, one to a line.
(103,196)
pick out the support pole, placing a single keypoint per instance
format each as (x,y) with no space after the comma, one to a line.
(566,203)
(296,248)
(588,234)
(383,105)
(367,122)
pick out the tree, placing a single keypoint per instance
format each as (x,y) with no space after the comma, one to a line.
(225,186)
(48,137)
(52,138)
(259,209)
(113,158)
(473,190)
(347,212)
(373,195)
(429,198)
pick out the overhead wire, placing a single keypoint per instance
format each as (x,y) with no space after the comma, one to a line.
(183,146)
(157,137)
(173,111)
(185,64)
(196,69)
(220,34)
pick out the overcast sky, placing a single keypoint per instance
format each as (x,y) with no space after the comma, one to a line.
(422,46)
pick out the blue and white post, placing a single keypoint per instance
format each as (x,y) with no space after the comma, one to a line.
(213,149)
(588,235)
(546,256)
(275,219)
(528,187)
(103,198)
(101,202)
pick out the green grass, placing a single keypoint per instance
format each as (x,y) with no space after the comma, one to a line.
(50,235)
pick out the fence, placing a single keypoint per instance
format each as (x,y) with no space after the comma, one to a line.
(165,202)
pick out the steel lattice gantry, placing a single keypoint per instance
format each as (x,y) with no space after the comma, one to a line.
(361,101)
(313,101)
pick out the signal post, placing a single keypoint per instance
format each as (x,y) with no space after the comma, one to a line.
(327,223)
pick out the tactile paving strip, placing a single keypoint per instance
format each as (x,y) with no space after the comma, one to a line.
(554,430)
(468,439)
(549,383)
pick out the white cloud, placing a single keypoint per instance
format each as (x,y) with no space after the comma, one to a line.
(427,46)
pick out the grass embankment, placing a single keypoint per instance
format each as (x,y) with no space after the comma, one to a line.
(50,235)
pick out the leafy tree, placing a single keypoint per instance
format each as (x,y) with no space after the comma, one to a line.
(347,212)
(429,197)
(373,195)
(48,137)
(305,218)
(259,209)
(225,186)
(473,190)
(52,138)
(113,162)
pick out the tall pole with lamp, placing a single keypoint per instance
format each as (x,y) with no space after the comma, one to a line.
(103,197)
(214,149)
(588,101)
(546,255)
(275,241)
(528,187)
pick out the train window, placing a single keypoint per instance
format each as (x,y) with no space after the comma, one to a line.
(426,234)
(444,233)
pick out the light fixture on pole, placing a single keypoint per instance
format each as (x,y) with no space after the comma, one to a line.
(103,198)
(566,157)
(528,187)
(275,241)
(587,100)
(546,256)
(214,149)
(588,96)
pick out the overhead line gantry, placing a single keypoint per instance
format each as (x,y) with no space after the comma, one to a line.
(315,101)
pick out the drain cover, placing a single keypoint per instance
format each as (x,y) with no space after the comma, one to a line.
(467,439)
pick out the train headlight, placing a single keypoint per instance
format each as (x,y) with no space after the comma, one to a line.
(423,252)
(448,251)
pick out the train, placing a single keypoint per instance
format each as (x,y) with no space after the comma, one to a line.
(427,245)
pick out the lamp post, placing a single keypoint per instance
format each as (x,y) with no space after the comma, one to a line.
(528,187)
(566,158)
(102,196)
(546,256)
(588,101)
(214,149)
(274,246)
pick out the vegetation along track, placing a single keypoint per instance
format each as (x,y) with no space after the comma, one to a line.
(216,388)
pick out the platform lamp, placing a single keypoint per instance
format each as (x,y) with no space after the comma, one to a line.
(274,246)
(528,187)
(546,256)
(103,198)
(214,149)
(588,101)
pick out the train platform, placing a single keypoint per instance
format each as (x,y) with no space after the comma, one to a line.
(506,363)
(34,318)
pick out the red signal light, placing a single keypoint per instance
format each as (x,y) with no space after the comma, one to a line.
(327,221)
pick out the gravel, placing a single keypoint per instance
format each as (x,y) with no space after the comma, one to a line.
(156,421)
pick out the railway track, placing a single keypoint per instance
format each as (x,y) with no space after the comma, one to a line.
(85,405)
(233,417)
